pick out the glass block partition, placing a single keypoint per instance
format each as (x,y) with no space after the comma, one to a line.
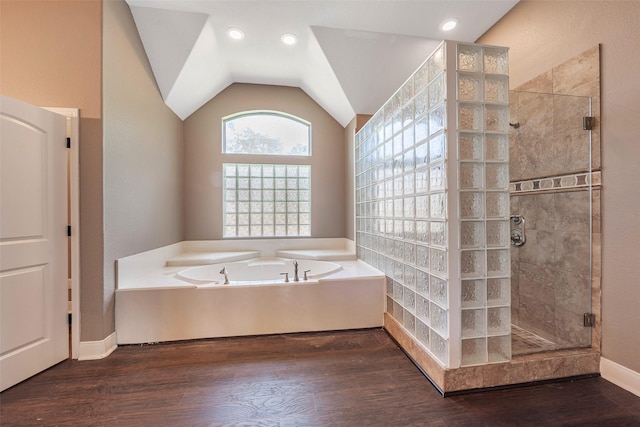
(432,204)
(264,200)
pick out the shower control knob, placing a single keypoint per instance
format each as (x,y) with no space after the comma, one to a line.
(517,237)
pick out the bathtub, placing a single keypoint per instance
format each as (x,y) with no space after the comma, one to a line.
(258,271)
(177,292)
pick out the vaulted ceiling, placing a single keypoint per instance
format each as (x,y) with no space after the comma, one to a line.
(350,58)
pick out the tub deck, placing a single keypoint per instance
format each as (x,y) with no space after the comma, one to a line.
(153,305)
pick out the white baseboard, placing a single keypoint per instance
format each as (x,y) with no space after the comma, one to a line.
(92,350)
(620,376)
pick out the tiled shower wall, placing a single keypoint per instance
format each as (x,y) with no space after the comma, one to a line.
(552,187)
(432,204)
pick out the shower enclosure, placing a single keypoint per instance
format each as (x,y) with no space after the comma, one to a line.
(551,178)
(477,204)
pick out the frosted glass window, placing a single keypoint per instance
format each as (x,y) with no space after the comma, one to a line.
(266,132)
(260,210)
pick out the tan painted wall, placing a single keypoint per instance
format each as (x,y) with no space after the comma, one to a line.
(203,157)
(51,55)
(543,34)
(143,153)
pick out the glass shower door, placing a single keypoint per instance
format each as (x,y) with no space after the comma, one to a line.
(551,208)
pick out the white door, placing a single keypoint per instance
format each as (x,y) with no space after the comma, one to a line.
(33,241)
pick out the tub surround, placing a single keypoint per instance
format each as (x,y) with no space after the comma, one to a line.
(154,304)
(259,271)
(205,258)
(157,266)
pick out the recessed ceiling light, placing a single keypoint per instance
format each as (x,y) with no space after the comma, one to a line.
(235,33)
(449,24)
(289,39)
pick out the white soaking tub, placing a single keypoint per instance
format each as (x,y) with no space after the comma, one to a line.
(163,295)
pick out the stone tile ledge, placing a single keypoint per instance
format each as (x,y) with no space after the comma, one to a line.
(520,370)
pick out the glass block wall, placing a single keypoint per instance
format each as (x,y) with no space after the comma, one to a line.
(266,200)
(432,204)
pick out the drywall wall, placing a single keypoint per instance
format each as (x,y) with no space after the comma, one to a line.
(51,55)
(543,34)
(204,158)
(143,162)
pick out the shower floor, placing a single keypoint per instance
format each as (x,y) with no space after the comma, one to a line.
(525,342)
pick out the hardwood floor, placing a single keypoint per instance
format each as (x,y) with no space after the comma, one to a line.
(350,378)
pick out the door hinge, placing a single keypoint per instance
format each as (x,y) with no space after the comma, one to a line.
(588,122)
(68,231)
(68,142)
(589,320)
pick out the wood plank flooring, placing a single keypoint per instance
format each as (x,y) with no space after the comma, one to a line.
(349,378)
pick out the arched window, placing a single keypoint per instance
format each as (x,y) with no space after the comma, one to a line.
(266,199)
(266,132)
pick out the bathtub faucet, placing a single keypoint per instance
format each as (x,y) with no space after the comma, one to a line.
(295,271)
(226,278)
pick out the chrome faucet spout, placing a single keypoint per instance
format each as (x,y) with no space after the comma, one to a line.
(295,271)
(224,272)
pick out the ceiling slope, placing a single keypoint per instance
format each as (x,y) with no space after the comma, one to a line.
(350,57)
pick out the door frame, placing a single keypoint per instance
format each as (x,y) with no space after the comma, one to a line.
(73,132)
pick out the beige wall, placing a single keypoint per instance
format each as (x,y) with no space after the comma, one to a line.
(143,162)
(51,55)
(543,34)
(203,157)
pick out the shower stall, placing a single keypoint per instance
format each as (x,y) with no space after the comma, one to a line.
(552,161)
(485,241)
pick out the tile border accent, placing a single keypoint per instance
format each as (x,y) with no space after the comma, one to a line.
(562,182)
